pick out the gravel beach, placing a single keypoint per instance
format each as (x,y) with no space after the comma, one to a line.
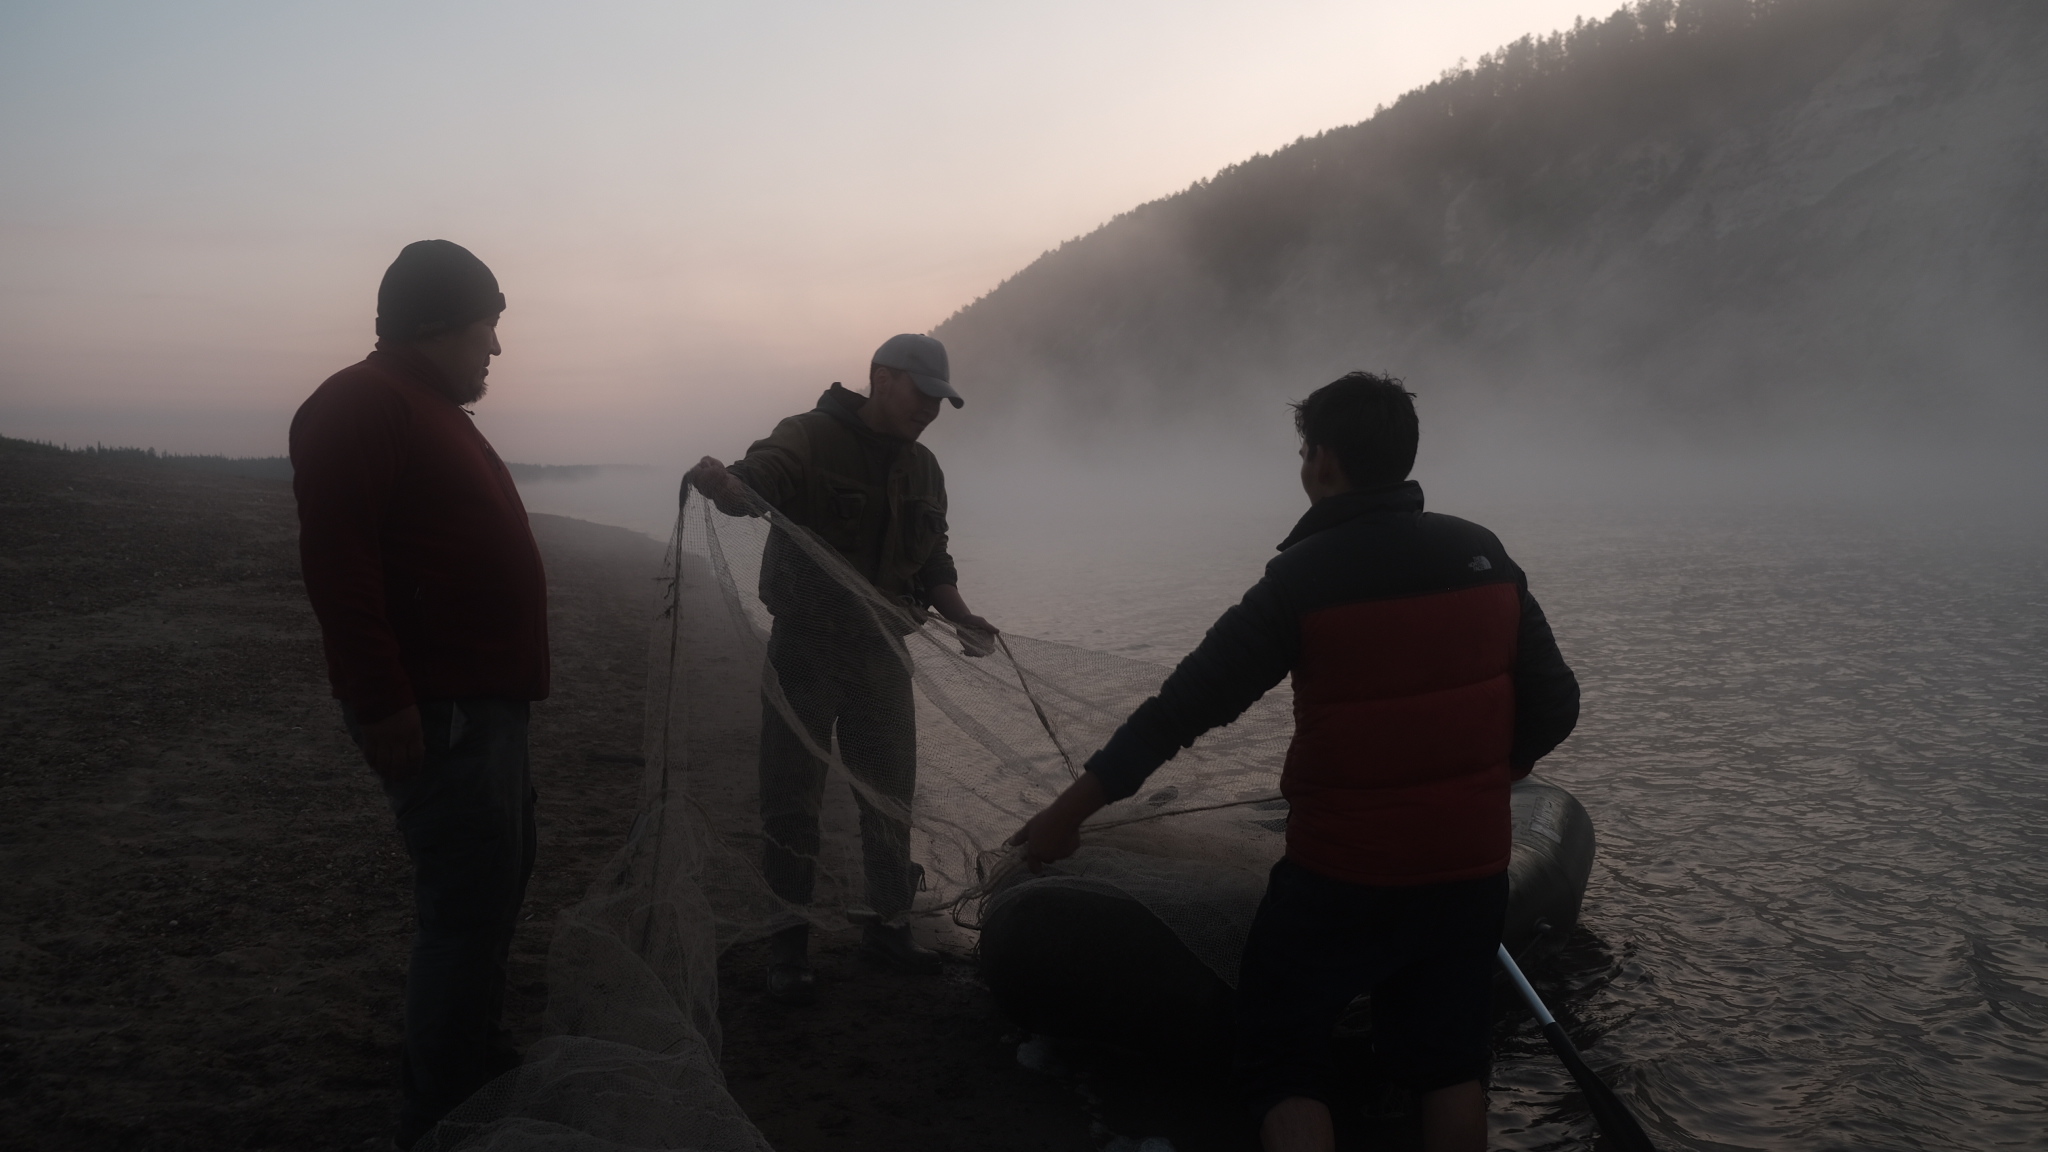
(204,939)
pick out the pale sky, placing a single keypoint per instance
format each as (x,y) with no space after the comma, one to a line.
(700,213)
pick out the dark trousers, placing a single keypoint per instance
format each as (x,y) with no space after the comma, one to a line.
(1426,953)
(467,820)
(858,685)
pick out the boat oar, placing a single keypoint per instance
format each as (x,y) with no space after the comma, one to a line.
(1616,1122)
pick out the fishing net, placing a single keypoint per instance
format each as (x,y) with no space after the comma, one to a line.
(819,754)
(772,629)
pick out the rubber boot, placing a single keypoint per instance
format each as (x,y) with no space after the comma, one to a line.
(890,946)
(790,980)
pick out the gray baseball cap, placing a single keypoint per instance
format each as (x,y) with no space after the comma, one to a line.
(924,358)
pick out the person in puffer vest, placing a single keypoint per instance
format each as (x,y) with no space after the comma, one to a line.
(1426,681)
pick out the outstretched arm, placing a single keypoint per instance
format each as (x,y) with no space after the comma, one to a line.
(773,468)
(976,634)
(709,476)
(1246,652)
(1055,833)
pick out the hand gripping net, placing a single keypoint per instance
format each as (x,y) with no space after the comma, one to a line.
(631,1053)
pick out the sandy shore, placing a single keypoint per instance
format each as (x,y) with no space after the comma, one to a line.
(204,940)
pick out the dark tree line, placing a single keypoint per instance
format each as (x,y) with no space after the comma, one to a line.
(1422,234)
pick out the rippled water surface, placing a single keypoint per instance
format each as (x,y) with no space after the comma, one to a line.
(1814,748)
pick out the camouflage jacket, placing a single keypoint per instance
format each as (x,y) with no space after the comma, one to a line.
(880,501)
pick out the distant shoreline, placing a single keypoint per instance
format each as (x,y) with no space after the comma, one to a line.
(280,467)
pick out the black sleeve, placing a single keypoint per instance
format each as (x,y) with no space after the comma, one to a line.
(774,467)
(938,570)
(1546,692)
(1248,650)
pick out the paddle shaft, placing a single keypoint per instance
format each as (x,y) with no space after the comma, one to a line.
(1616,1122)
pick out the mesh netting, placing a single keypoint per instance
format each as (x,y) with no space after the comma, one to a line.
(816,753)
(772,631)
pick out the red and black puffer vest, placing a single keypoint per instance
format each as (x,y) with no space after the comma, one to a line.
(1426,680)
(1404,713)
(1404,698)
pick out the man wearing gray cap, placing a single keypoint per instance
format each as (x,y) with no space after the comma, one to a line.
(852,472)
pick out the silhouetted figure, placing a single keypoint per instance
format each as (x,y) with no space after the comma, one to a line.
(433,611)
(1426,681)
(852,472)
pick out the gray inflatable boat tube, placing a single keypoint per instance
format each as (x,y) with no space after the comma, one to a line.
(1084,952)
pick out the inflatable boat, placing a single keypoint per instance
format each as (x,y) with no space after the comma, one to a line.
(1141,951)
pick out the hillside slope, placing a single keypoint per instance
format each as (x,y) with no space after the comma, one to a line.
(1707,214)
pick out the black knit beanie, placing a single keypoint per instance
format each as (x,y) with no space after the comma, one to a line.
(433,286)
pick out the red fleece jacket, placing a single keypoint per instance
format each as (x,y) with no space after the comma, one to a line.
(414,544)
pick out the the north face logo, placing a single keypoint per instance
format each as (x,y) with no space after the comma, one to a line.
(1480,564)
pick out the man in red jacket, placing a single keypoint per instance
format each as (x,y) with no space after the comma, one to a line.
(433,611)
(1426,681)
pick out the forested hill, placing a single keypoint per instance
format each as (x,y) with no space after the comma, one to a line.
(1710,212)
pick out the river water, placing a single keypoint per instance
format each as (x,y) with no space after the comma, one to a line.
(1814,749)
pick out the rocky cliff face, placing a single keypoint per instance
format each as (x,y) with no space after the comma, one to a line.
(1724,216)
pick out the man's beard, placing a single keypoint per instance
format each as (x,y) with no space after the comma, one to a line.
(470,391)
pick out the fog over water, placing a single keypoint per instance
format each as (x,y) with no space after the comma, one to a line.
(1813,746)
(1730,329)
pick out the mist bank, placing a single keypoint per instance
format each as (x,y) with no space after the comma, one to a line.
(1719,230)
